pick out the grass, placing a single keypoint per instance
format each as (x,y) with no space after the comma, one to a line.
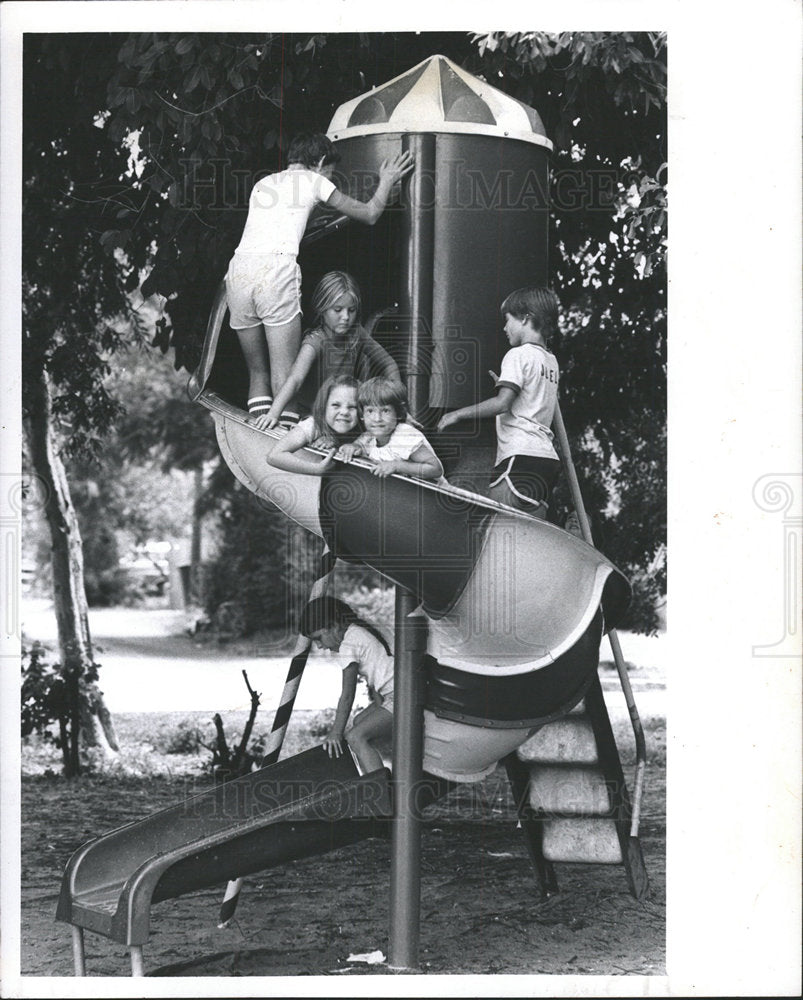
(170,743)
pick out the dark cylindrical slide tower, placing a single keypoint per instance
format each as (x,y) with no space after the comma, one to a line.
(472,226)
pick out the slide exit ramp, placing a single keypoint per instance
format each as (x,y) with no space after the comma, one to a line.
(308,804)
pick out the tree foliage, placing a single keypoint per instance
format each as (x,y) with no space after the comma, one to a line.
(75,310)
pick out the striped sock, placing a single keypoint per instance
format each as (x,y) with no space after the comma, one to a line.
(259,404)
(289,419)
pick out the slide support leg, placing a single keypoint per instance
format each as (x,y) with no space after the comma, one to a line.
(137,966)
(78,955)
(408,740)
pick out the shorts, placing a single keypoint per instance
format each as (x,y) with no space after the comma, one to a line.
(529,478)
(263,288)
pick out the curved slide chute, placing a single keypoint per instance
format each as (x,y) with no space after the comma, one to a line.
(515,606)
(307,804)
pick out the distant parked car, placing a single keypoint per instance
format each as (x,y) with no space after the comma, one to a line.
(150,571)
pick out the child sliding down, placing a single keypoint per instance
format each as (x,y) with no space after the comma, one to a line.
(363,653)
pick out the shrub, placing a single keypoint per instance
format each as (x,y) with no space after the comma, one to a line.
(187,740)
(265,566)
(51,699)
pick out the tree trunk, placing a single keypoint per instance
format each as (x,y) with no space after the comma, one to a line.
(69,597)
(196,577)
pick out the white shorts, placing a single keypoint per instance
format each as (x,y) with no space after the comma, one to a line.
(263,288)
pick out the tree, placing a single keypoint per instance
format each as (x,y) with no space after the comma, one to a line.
(75,313)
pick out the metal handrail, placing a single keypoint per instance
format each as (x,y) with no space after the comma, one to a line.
(613,638)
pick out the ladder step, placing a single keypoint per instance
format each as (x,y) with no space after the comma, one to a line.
(578,791)
(568,741)
(589,841)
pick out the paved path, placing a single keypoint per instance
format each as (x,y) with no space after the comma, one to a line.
(149,663)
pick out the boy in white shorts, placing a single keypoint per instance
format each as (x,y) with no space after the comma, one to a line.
(263,281)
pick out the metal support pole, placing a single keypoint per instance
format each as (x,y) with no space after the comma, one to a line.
(78,956)
(137,965)
(411,633)
(418,271)
(408,752)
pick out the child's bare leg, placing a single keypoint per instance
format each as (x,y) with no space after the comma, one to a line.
(372,724)
(283,344)
(255,351)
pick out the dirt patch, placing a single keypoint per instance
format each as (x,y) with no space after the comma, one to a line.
(480,909)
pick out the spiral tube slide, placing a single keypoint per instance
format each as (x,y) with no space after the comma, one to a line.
(515,606)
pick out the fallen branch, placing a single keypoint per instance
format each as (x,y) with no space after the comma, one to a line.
(240,754)
(227,765)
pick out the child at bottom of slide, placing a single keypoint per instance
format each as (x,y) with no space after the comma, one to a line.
(333,423)
(390,440)
(363,653)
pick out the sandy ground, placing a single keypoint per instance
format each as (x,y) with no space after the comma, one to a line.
(480,910)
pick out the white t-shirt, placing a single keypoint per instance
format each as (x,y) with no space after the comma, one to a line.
(373,663)
(532,371)
(278,210)
(404,440)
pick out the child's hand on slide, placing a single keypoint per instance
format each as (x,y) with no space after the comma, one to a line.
(385,469)
(333,744)
(328,461)
(268,420)
(264,421)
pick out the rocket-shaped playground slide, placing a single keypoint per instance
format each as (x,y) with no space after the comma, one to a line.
(514,607)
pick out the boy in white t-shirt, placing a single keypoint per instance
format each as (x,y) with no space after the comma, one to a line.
(263,281)
(527,464)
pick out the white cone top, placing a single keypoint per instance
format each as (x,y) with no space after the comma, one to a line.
(438,96)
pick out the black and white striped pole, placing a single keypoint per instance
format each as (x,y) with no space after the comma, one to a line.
(281,719)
